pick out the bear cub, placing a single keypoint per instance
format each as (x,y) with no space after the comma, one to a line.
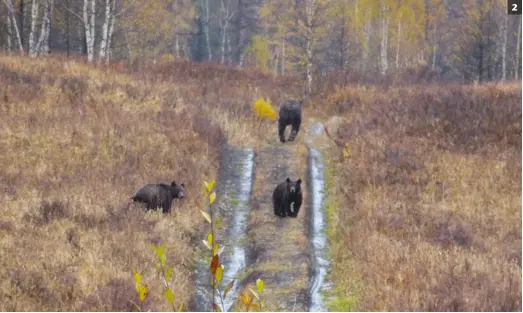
(285,194)
(159,195)
(290,114)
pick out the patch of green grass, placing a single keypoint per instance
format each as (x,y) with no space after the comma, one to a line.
(342,304)
(344,296)
(234,201)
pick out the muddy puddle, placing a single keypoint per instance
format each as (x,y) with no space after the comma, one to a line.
(233,189)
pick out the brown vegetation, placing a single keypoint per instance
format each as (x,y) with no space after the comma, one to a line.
(425,198)
(423,207)
(76,143)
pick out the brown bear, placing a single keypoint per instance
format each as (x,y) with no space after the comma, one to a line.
(159,195)
(290,114)
(285,194)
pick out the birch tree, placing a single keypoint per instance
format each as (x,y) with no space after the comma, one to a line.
(384,34)
(107,29)
(32,33)
(13,24)
(9,32)
(89,11)
(45,30)
(225,21)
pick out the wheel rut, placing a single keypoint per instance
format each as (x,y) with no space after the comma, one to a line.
(280,251)
(289,254)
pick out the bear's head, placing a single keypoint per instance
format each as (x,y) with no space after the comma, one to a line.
(294,187)
(177,190)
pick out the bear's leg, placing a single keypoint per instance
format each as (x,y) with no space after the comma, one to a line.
(281,131)
(277,207)
(295,130)
(167,206)
(281,210)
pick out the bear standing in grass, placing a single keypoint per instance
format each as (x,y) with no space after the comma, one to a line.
(159,195)
(286,193)
(290,114)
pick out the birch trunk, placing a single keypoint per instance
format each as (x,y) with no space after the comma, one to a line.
(105,30)
(32,33)
(8,20)
(42,44)
(384,43)
(310,9)
(89,27)
(49,18)
(207,30)
(504,28)
(225,23)
(229,51)
(366,36)
(111,31)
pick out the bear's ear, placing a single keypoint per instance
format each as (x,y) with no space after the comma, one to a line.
(183,185)
(173,183)
(288,180)
(298,181)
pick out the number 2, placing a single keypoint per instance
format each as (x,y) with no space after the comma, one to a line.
(514,7)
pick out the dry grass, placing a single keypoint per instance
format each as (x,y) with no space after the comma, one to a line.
(425,211)
(76,142)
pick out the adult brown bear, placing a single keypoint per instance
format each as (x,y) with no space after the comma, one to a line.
(159,195)
(290,114)
(285,194)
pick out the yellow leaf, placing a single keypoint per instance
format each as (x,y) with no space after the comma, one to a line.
(169,295)
(144,290)
(169,274)
(209,238)
(137,277)
(209,186)
(244,298)
(212,197)
(259,285)
(160,252)
(216,307)
(219,273)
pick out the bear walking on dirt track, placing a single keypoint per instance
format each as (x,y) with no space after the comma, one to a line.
(286,193)
(290,114)
(159,195)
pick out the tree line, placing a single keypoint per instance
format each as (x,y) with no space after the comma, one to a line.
(467,40)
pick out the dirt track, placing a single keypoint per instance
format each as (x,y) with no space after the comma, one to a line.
(278,249)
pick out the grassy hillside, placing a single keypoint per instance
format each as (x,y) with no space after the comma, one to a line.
(424,201)
(76,142)
(425,197)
